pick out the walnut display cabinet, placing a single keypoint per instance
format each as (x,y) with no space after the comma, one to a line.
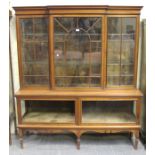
(78,70)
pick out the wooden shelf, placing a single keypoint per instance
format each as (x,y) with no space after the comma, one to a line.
(108,117)
(49,117)
(81,92)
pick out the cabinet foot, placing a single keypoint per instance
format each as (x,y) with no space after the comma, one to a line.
(136,140)
(21,138)
(21,143)
(78,143)
(10,139)
(136,144)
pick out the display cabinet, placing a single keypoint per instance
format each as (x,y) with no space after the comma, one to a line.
(78,69)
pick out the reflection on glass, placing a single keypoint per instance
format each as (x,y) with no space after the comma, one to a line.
(27,51)
(95,81)
(72,81)
(35,69)
(35,50)
(27,28)
(127,69)
(41,50)
(113,70)
(35,80)
(120,50)
(77,51)
(113,80)
(126,80)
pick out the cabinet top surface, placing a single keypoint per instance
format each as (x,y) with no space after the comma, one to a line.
(80,7)
(102,9)
(78,93)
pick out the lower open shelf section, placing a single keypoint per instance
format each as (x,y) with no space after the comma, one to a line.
(49,117)
(79,113)
(93,112)
(49,112)
(85,116)
(100,112)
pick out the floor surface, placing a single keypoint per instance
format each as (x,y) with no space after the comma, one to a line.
(66,145)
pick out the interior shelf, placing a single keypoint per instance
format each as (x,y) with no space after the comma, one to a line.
(108,117)
(49,117)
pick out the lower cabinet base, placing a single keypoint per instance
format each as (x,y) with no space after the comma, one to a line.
(133,134)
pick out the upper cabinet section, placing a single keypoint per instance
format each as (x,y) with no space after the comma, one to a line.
(78,46)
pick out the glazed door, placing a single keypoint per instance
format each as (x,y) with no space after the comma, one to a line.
(121,44)
(77,51)
(33,38)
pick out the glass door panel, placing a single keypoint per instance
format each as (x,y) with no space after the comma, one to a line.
(120,50)
(77,51)
(127,54)
(113,53)
(34,36)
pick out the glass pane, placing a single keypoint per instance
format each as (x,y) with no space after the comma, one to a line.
(127,54)
(113,70)
(41,29)
(35,69)
(27,28)
(95,81)
(72,81)
(120,49)
(113,80)
(113,50)
(77,50)
(126,80)
(27,51)
(36,80)
(63,81)
(35,50)
(127,69)
(96,70)
(96,58)
(41,51)
(114,27)
(114,40)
